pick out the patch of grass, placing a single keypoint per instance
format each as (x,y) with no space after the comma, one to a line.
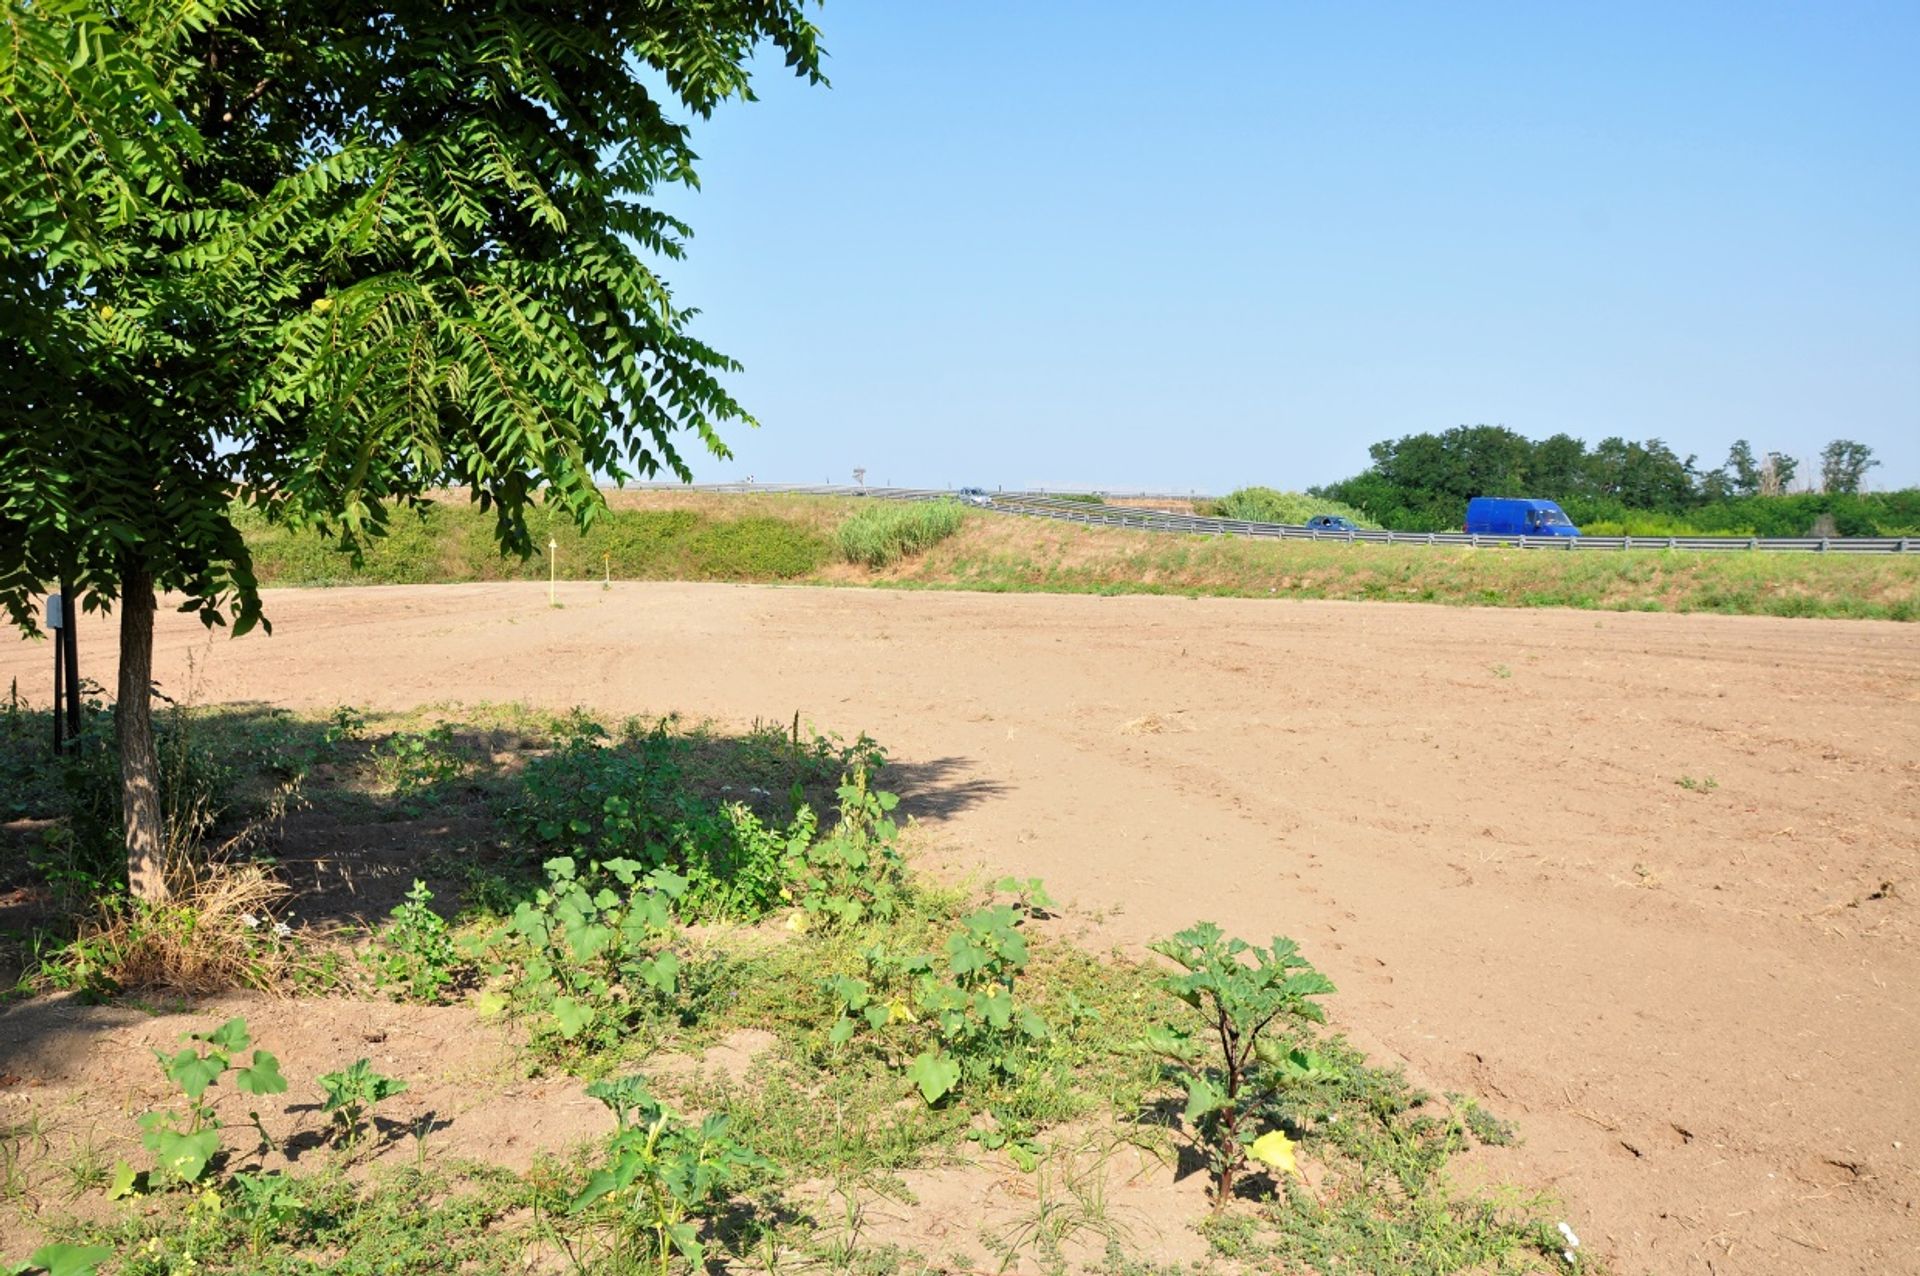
(994,557)
(452,540)
(881,534)
(1484,1126)
(480,1220)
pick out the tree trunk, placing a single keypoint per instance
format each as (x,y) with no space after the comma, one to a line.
(133,730)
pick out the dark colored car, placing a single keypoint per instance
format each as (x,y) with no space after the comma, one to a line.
(1331,523)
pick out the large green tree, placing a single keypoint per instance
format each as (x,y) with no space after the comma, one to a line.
(1844,465)
(411,245)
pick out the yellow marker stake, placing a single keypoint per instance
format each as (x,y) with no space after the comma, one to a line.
(606,562)
(553,569)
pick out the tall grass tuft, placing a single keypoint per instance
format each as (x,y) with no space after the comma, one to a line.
(884,534)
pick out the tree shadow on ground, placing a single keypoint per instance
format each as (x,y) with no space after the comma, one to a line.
(352,813)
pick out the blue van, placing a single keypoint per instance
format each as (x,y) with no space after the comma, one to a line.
(1517,516)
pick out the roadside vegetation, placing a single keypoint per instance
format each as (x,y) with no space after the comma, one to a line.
(1422,482)
(624,899)
(827,540)
(453,540)
(1265,505)
(881,534)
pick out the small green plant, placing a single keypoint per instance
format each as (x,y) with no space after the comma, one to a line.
(1014,1135)
(352,1093)
(1483,1125)
(410,764)
(263,1204)
(415,953)
(183,1141)
(62,1260)
(344,724)
(1232,1072)
(662,1176)
(856,870)
(595,948)
(1501,671)
(956,1012)
(1691,785)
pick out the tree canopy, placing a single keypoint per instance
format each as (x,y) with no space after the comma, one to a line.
(347,253)
(1422,482)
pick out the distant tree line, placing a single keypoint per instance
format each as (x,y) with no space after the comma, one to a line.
(1422,482)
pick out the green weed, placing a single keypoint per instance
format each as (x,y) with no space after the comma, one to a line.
(351,1094)
(184,1141)
(415,954)
(1233,1074)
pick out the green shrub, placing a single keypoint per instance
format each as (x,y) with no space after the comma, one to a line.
(885,533)
(1265,505)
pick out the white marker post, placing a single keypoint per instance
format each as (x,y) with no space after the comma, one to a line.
(553,570)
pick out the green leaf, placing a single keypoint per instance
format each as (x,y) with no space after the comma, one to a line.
(489,1004)
(192,1071)
(185,1156)
(68,1260)
(1202,1097)
(573,1017)
(935,1073)
(263,1077)
(126,1181)
(230,1036)
(687,1241)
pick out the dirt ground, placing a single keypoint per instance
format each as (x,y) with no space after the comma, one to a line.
(1644,884)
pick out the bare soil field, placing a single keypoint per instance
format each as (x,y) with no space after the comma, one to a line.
(1643,884)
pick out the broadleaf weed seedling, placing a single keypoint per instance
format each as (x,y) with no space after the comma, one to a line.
(352,1093)
(415,953)
(1240,991)
(663,1175)
(183,1142)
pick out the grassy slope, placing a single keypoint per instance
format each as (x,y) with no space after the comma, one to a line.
(692,536)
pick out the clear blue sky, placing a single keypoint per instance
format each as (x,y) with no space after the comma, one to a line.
(1168,246)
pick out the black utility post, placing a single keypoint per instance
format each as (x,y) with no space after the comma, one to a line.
(57,621)
(66,671)
(70,642)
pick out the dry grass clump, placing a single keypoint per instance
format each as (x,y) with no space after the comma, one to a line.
(215,932)
(1154,724)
